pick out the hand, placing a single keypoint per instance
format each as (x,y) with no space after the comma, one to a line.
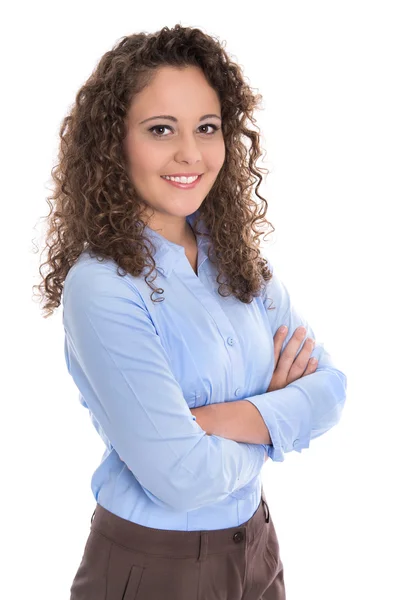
(285,370)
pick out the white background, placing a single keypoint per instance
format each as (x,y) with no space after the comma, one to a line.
(329,76)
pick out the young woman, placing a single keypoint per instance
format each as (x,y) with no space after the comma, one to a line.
(188,382)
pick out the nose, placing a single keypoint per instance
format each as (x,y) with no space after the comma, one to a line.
(188,150)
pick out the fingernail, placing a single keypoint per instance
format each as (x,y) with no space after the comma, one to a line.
(283,329)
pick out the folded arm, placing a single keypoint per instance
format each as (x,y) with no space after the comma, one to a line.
(238,420)
(289,418)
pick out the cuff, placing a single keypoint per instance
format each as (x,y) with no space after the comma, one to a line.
(287,415)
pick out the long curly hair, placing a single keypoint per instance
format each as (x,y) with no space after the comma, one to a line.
(96,207)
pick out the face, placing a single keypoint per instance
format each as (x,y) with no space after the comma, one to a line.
(183,143)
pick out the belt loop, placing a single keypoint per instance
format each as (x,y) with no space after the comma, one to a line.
(266,511)
(203,546)
(264,501)
(92,515)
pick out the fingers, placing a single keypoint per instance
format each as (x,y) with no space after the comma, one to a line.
(302,360)
(311,367)
(279,338)
(288,355)
(288,367)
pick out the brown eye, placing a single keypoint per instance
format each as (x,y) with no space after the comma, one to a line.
(215,128)
(158,127)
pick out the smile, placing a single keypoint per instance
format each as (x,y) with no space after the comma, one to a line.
(184,186)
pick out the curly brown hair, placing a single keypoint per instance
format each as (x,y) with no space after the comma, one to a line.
(96,207)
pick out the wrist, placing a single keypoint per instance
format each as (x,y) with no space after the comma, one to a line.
(203,416)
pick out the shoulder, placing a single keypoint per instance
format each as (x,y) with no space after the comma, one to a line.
(91,279)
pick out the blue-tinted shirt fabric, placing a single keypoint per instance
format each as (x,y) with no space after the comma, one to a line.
(140,367)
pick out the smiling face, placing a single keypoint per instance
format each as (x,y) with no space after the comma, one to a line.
(163,146)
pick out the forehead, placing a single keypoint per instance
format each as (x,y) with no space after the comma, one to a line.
(184,91)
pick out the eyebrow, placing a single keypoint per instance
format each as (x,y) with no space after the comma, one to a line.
(171,118)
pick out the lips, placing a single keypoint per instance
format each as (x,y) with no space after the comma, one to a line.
(183,186)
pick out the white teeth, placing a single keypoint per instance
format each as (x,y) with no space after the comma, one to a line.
(181,179)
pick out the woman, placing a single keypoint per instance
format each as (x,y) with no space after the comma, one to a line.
(190,391)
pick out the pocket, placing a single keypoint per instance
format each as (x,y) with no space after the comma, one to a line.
(133,584)
(125,571)
(164,577)
(271,548)
(270,557)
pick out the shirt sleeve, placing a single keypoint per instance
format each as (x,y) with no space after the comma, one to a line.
(311,405)
(121,369)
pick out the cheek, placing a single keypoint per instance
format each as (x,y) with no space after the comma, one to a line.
(214,165)
(216,156)
(145,157)
(146,164)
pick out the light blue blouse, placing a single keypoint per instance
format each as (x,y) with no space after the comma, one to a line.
(139,367)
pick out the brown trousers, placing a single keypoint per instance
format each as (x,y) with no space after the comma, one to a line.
(126,561)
